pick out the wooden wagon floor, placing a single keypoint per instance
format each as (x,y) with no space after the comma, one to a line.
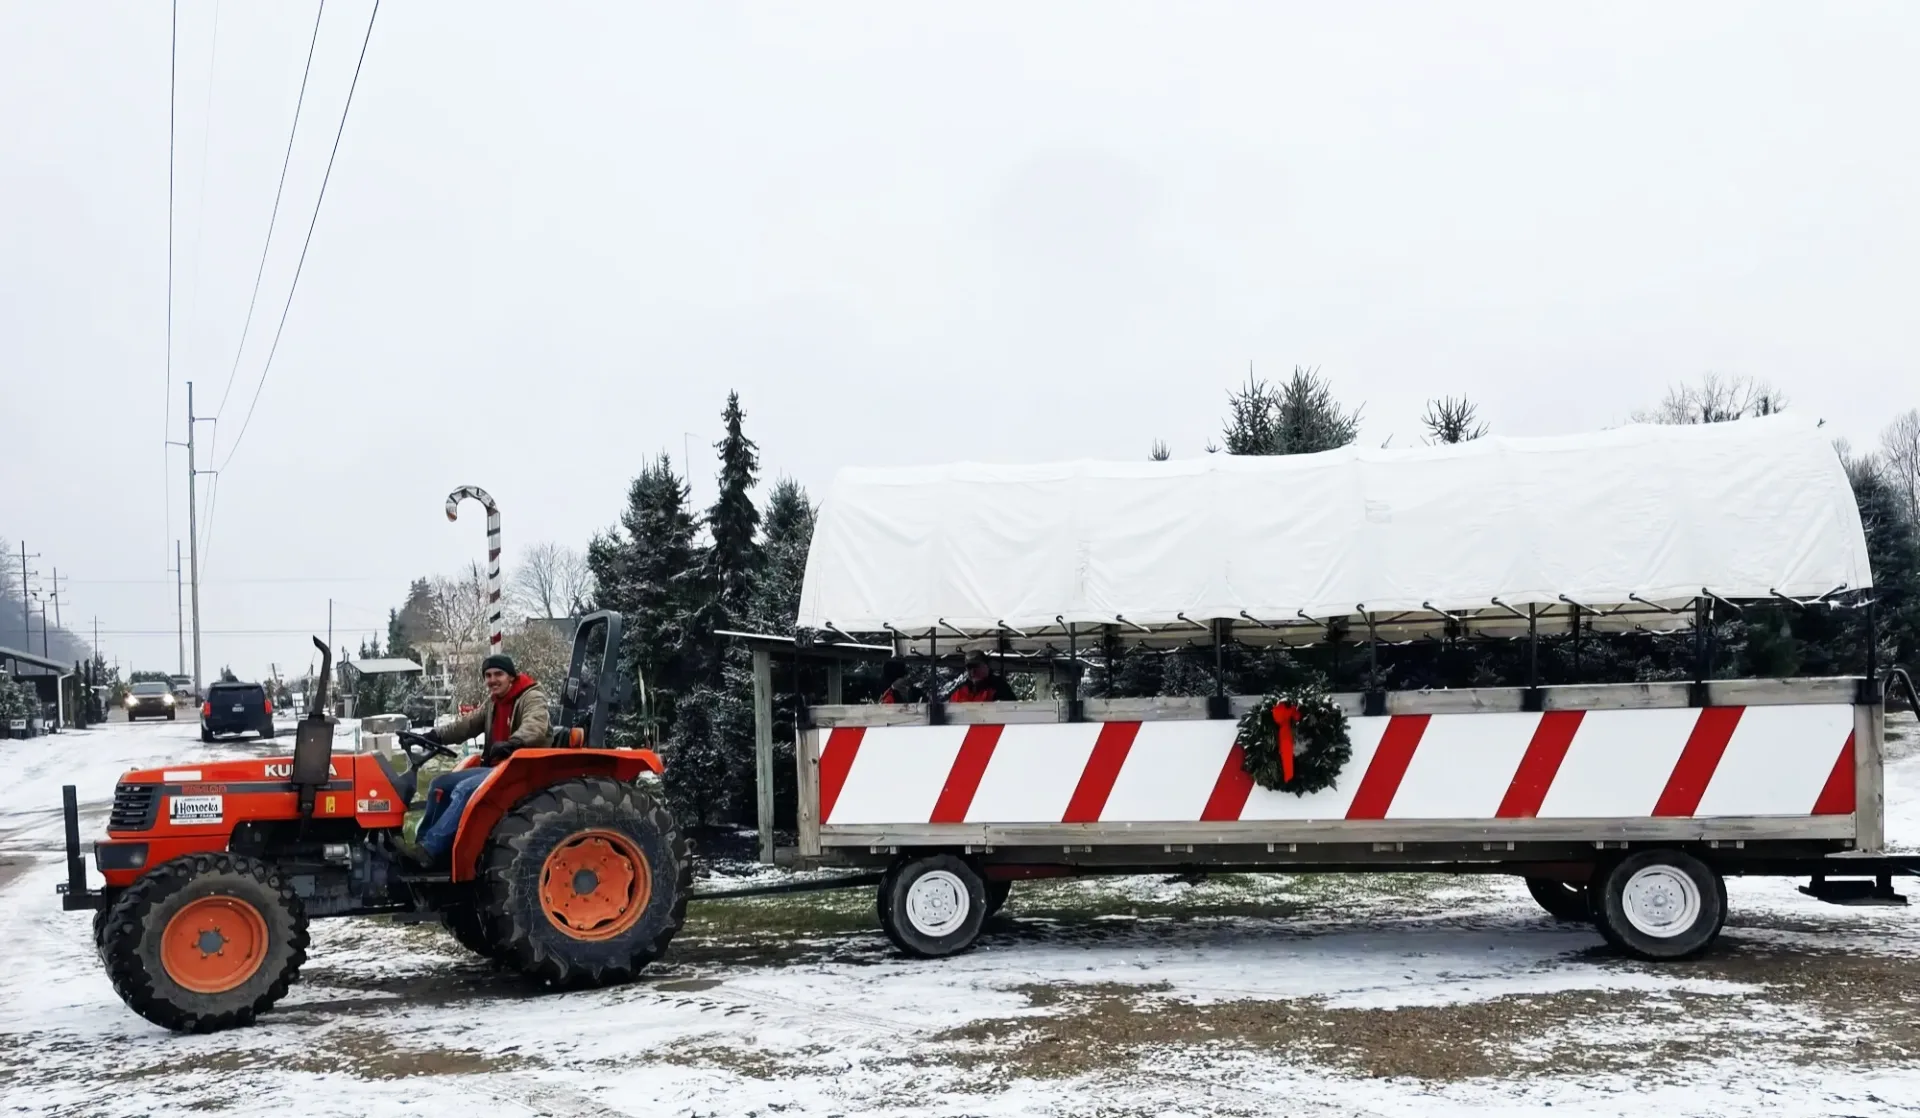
(1146,995)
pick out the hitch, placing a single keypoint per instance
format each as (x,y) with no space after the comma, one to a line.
(1854,891)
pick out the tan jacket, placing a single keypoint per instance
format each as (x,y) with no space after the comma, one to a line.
(528,725)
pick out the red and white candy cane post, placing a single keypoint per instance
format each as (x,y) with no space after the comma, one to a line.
(493,554)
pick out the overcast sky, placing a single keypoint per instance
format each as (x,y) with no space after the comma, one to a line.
(556,235)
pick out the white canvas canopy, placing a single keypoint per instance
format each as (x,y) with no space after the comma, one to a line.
(1630,523)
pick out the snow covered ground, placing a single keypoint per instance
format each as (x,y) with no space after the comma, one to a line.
(1416,996)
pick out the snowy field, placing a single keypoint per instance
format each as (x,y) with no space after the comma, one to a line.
(1414,996)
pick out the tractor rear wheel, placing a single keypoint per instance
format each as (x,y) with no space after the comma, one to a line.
(205,942)
(585,882)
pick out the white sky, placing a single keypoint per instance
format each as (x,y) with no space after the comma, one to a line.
(557,235)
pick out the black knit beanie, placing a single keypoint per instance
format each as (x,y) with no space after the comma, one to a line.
(498,660)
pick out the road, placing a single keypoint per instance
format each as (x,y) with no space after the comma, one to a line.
(1135,996)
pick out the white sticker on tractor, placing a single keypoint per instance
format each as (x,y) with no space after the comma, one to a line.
(187,810)
(172,775)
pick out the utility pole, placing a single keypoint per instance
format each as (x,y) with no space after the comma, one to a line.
(26,616)
(56,600)
(193,531)
(179,605)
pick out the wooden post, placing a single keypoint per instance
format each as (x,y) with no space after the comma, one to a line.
(763,748)
(836,675)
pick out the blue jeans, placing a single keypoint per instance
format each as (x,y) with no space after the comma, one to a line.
(446,801)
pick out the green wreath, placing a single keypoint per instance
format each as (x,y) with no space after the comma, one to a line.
(1321,745)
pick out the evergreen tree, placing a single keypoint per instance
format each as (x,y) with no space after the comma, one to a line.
(645,569)
(786,535)
(732,560)
(1298,417)
(1451,421)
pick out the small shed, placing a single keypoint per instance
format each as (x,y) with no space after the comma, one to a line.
(45,676)
(351,670)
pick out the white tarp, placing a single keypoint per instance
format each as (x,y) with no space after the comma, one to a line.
(1743,510)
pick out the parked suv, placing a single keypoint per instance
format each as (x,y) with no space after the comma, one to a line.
(149,700)
(236,708)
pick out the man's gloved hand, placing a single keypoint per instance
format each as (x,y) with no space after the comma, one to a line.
(427,734)
(495,753)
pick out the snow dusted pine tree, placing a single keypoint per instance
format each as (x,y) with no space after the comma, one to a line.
(645,569)
(732,561)
(787,532)
(717,727)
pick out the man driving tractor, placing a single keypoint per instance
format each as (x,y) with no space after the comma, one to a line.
(514,715)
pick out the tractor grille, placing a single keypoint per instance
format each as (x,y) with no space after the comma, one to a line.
(134,806)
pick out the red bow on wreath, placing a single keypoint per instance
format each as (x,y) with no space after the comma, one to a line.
(1283,718)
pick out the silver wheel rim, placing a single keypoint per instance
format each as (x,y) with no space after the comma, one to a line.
(937,903)
(1661,901)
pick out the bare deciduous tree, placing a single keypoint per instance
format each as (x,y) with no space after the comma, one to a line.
(1714,399)
(458,609)
(1900,459)
(553,581)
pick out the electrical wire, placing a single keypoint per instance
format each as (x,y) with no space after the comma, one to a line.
(274,219)
(308,242)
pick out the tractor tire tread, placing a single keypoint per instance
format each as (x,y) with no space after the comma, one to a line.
(127,920)
(510,871)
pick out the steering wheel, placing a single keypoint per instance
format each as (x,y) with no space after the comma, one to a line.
(411,741)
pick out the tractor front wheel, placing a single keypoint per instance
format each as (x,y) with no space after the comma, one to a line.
(585,882)
(205,942)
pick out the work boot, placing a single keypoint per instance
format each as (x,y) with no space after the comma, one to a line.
(413,856)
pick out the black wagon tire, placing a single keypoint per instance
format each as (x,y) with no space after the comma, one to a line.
(1562,900)
(166,942)
(585,882)
(933,906)
(997,894)
(1659,904)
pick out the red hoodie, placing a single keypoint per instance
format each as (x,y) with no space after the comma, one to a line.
(502,724)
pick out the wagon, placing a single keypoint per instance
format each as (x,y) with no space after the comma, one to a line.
(1627,804)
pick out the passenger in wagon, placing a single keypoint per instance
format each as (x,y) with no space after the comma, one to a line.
(898,688)
(982,685)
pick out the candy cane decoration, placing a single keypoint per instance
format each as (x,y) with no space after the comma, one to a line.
(493,554)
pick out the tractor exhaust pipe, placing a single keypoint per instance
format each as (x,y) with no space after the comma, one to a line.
(313,741)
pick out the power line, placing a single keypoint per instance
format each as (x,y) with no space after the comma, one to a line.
(308,242)
(274,219)
(214,582)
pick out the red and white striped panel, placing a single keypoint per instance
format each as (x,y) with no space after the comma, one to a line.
(1686,762)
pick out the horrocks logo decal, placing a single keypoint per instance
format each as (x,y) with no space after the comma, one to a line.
(285,769)
(189,810)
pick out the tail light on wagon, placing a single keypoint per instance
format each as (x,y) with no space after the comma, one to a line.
(206,710)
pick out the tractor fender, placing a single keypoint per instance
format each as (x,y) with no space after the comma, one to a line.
(526,771)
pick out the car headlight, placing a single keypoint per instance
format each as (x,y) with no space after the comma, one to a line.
(129,700)
(169,699)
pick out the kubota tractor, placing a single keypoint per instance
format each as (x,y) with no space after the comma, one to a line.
(566,866)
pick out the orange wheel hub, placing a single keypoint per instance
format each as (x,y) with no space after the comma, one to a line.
(214,944)
(595,885)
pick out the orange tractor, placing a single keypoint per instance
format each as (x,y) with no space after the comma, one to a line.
(567,866)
